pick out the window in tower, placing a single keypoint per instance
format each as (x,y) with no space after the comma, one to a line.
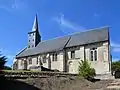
(29,46)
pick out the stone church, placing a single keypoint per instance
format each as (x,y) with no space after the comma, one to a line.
(65,53)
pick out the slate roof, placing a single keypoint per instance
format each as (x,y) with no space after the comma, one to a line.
(80,38)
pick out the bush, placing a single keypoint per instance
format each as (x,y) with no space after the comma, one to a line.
(85,70)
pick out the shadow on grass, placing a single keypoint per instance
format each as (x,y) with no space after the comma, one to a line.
(6,84)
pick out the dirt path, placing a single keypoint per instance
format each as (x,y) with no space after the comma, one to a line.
(64,83)
(114,85)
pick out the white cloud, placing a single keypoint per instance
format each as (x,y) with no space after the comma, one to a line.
(18,4)
(115,59)
(5,8)
(115,47)
(13,5)
(66,24)
(113,44)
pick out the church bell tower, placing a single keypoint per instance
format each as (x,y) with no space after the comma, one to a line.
(34,37)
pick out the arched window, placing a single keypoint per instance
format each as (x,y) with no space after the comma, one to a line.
(54,57)
(93,54)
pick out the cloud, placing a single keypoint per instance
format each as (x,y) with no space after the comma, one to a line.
(115,47)
(96,15)
(18,4)
(5,8)
(13,5)
(9,56)
(115,44)
(115,59)
(66,24)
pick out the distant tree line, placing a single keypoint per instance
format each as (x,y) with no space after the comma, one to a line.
(115,66)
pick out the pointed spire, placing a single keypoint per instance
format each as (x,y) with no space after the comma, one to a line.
(35,24)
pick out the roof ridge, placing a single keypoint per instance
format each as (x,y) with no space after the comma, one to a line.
(54,38)
(88,30)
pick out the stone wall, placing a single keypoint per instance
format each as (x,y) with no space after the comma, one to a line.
(102,65)
(59,63)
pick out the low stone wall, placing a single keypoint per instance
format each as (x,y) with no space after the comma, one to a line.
(104,76)
(35,74)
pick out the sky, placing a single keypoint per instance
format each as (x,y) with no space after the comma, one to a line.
(56,18)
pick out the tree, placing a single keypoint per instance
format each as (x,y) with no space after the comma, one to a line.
(85,70)
(2,61)
(115,66)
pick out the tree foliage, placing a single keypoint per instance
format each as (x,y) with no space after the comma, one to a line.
(2,61)
(85,70)
(115,66)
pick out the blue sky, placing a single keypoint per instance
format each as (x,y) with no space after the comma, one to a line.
(56,18)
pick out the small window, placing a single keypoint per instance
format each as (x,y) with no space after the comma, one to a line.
(55,57)
(32,45)
(40,61)
(29,40)
(33,39)
(37,61)
(29,34)
(44,59)
(33,34)
(95,54)
(72,54)
(91,55)
(30,60)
